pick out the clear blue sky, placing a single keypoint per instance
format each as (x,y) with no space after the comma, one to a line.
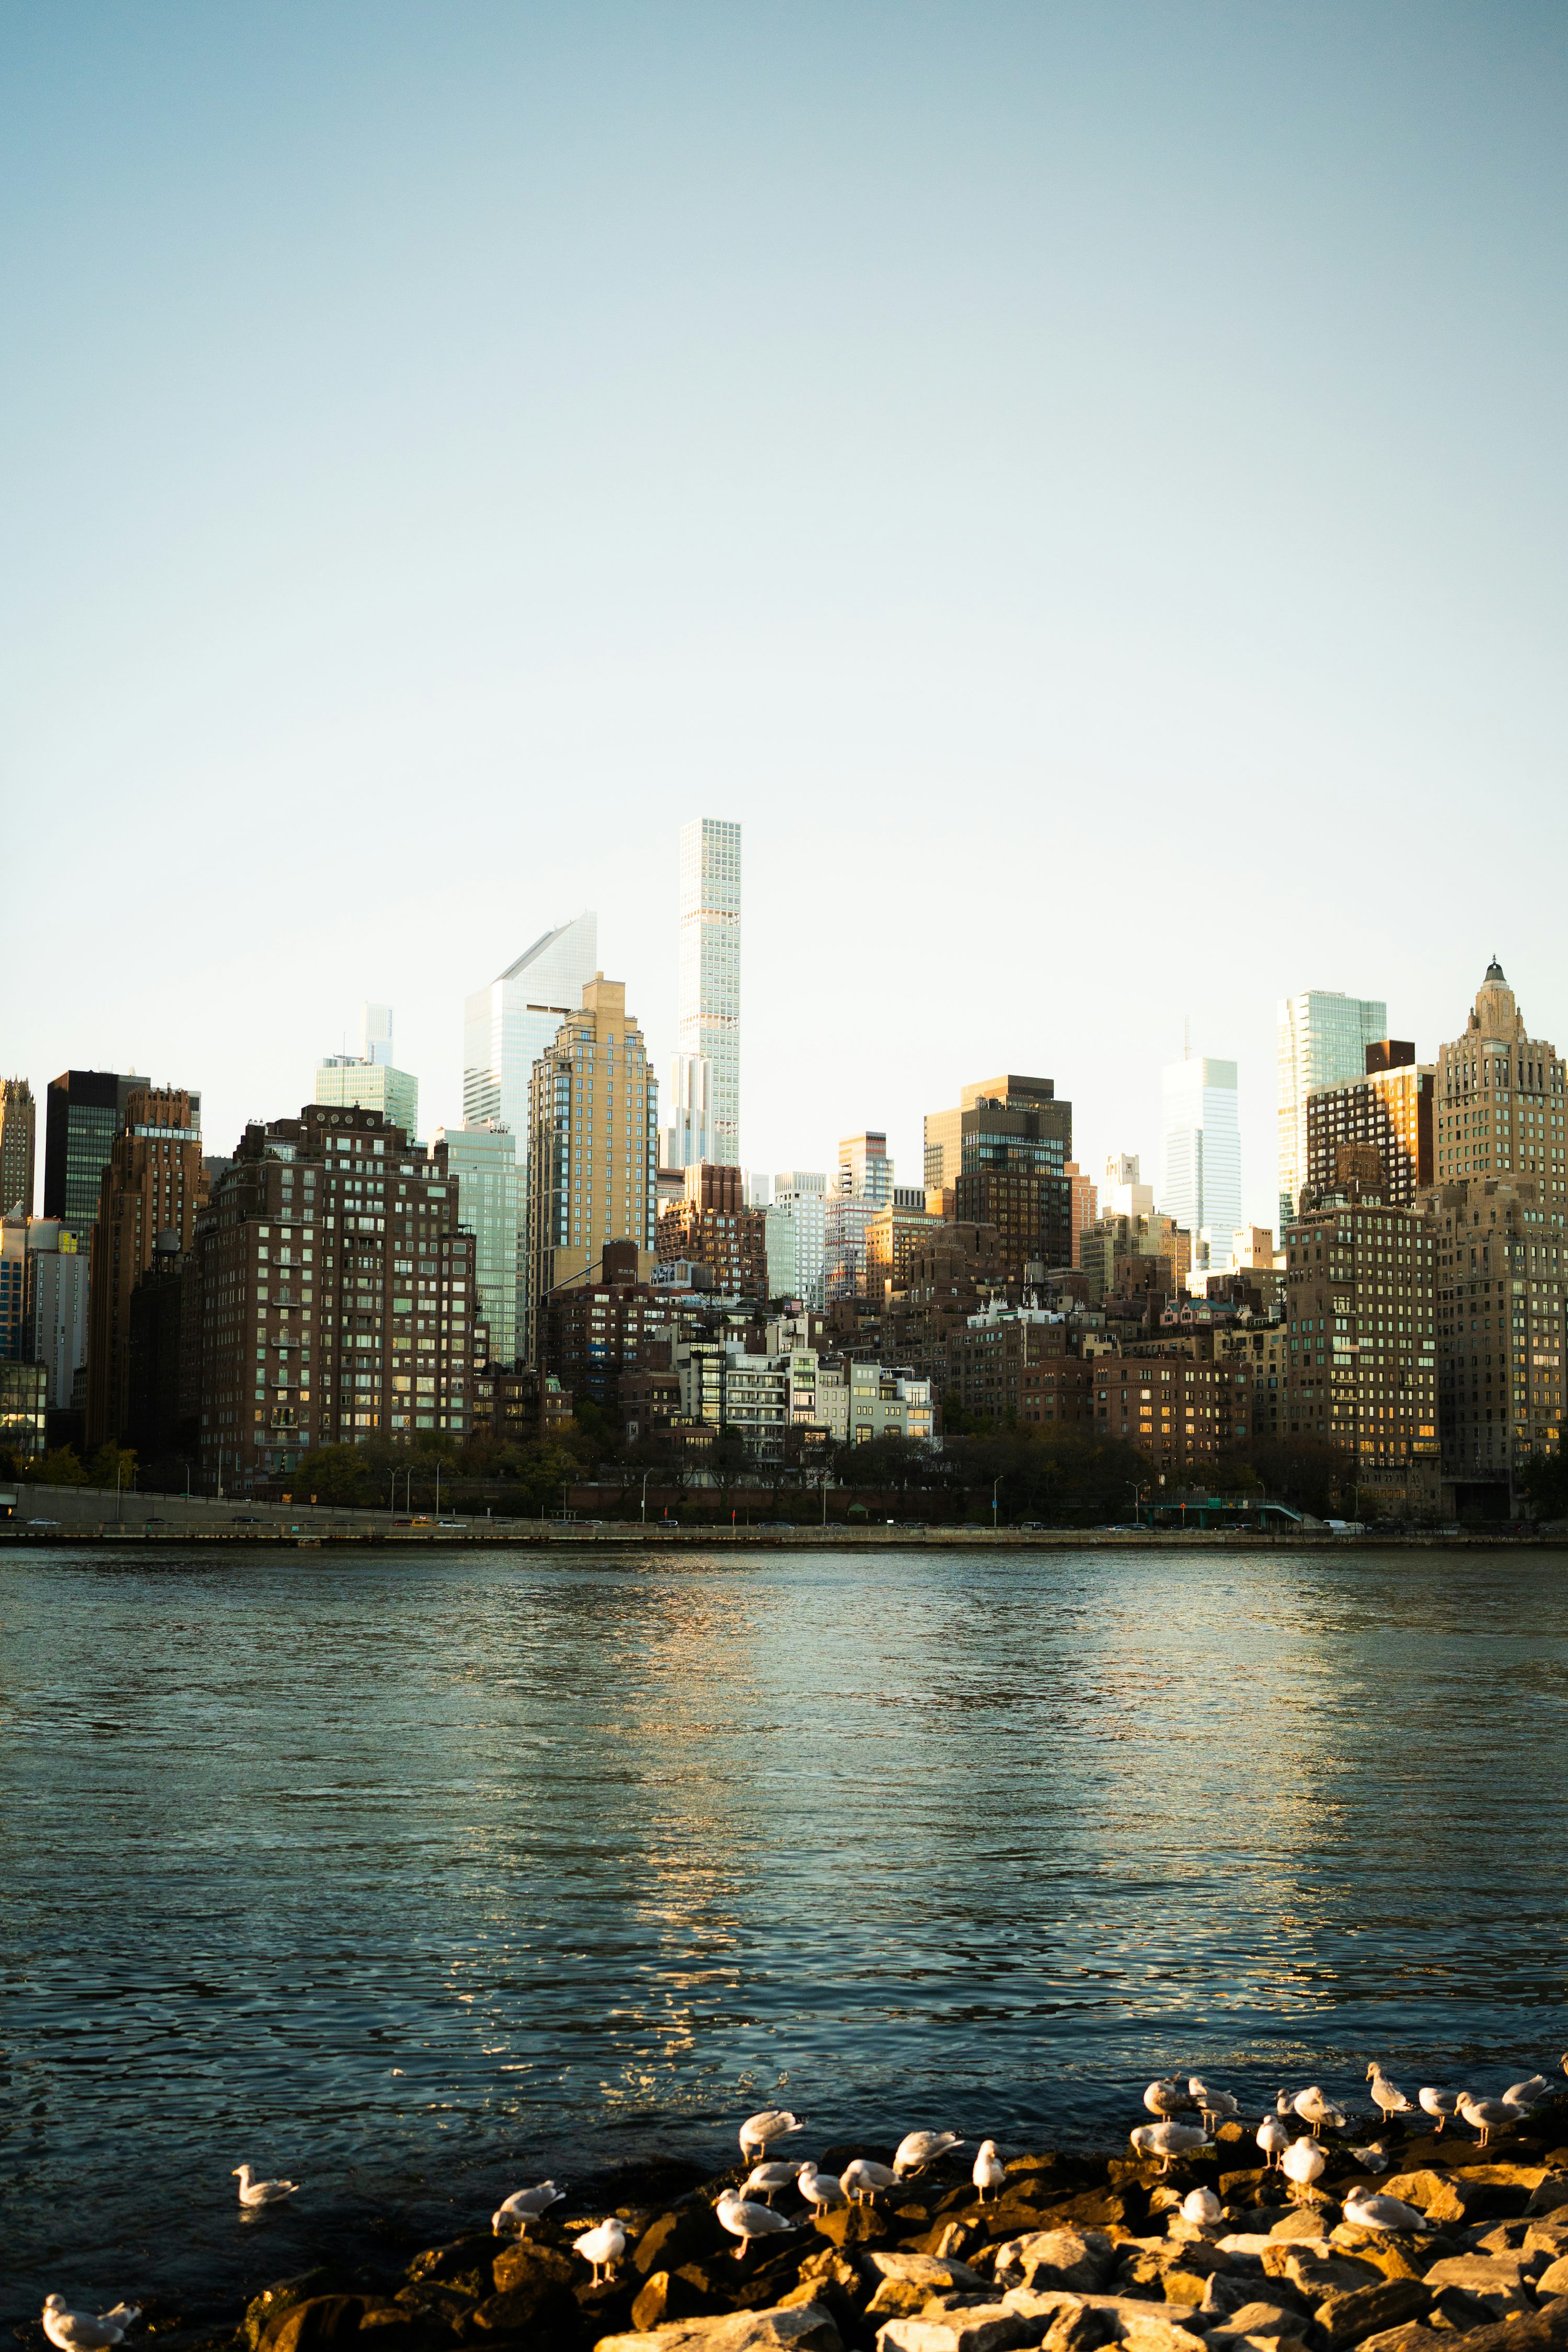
(1083,485)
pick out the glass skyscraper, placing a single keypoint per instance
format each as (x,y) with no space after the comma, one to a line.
(1200,1179)
(508,1025)
(1323,1036)
(710,969)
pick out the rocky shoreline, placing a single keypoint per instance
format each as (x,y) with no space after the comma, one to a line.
(1075,2251)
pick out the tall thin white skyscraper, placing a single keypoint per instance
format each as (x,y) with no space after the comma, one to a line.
(1323,1038)
(375,1032)
(710,969)
(688,1138)
(1200,1179)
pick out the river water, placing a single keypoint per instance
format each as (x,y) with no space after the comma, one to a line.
(415,1876)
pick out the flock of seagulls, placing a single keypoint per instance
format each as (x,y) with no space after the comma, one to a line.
(749,2215)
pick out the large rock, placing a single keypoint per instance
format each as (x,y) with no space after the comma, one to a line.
(1078,2328)
(1081,2260)
(527,2262)
(903,2283)
(666,2296)
(1366,2311)
(265,2310)
(687,2233)
(1500,2281)
(333,2319)
(854,2225)
(983,2327)
(1317,2275)
(1542,2331)
(798,2327)
(1262,2327)
(467,2262)
(1550,2194)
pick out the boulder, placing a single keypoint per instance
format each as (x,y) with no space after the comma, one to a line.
(1094,2208)
(687,2233)
(903,2283)
(1412,2337)
(1549,2192)
(1079,2260)
(1318,2275)
(1078,2328)
(329,2319)
(1366,2311)
(1547,2235)
(1544,2331)
(982,2327)
(1397,2254)
(265,2310)
(665,2296)
(854,2225)
(1500,2281)
(1262,2327)
(525,2263)
(798,2327)
(467,2262)
(445,2309)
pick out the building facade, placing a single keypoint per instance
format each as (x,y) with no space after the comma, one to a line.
(482,1163)
(1322,1041)
(593,1151)
(713,1227)
(508,1025)
(1388,1108)
(153,1184)
(18,1142)
(55,1307)
(1014,1140)
(689,1109)
(1200,1179)
(336,1298)
(83,1112)
(800,1196)
(710,969)
(369,1080)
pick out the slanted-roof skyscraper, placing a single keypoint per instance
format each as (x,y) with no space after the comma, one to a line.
(1324,1035)
(711,968)
(509,1024)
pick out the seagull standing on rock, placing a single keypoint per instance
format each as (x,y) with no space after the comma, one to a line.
(1273,2137)
(79,2331)
(1215,2106)
(1315,2109)
(989,2172)
(1489,2116)
(759,2132)
(766,2179)
(262,2193)
(745,2220)
(863,2179)
(1303,2162)
(603,2247)
(917,2149)
(820,2189)
(1167,2097)
(1169,2140)
(1387,2095)
(526,2205)
(1441,2104)
(1201,2205)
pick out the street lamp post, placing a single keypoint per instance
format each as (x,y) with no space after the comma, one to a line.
(994,1484)
(645,1479)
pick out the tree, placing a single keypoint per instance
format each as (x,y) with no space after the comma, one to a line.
(1545,1481)
(340,1475)
(113,1465)
(60,1468)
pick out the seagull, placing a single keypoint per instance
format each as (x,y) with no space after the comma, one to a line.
(526,2205)
(1167,2097)
(1282,2103)
(1387,2095)
(1528,2094)
(759,2131)
(989,2172)
(1169,2140)
(864,2179)
(1441,2104)
(1371,2212)
(1215,2106)
(1489,2116)
(78,2331)
(262,2193)
(820,2189)
(1375,2156)
(1315,2109)
(1273,2137)
(1201,2205)
(746,2221)
(603,2247)
(767,2180)
(1303,2162)
(917,2149)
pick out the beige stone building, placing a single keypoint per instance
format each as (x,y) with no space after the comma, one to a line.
(1388,1108)
(592,1149)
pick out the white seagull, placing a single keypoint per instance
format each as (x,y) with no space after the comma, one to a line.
(1169,2140)
(262,2193)
(1201,2205)
(820,2189)
(1315,2109)
(865,2179)
(766,2179)
(1375,2156)
(526,2205)
(1441,2104)
(1387,2095)
(1370,2212)
(1167,2097)
(989,2172)
(603,2247)
(1273,2137)
(1528,2094)
(1215,2106)
(1303,2162)
(1282,2103)
(79,2331)
(917,2149)
(746,2221)
(1489,2116)
(759,2131)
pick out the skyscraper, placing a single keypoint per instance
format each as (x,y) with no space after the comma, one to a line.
(688,1136)
(508,1025)
(82,1115)
(1200,1180)
(153,1184)
(482,1162)
(1324,1035)
(367,1079)
(711,968)
(593,1147)
(19,1133)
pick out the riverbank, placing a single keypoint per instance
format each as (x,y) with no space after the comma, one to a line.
(1074,2252)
